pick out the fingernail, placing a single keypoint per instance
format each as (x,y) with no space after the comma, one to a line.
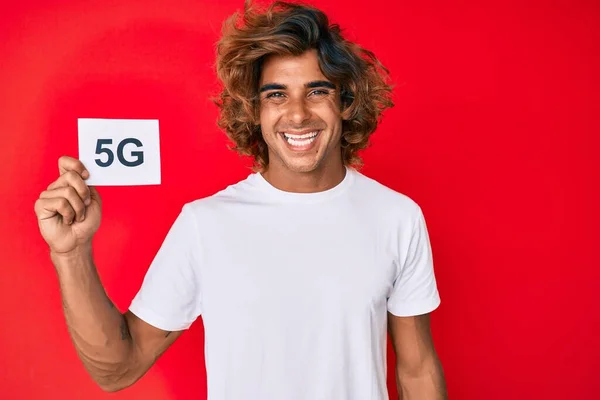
(87,201)
(85,174)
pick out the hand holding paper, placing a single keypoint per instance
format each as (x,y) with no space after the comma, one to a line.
(68,211)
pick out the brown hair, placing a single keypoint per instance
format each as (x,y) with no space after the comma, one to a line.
(291,29)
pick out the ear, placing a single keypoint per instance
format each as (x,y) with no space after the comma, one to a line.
(346,114)
(256,116)
(346,100)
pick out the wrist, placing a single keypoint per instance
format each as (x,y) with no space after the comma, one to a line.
(80,254)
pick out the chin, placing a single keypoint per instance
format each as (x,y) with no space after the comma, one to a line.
(301,166)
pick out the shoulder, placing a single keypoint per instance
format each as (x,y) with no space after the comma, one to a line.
(386,202)
(384,196)
(232,196)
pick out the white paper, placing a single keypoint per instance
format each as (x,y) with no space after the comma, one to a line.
(120,152)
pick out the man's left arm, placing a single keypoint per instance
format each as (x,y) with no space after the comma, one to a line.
(419,373)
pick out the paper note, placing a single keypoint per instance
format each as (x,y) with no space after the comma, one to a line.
(120,152)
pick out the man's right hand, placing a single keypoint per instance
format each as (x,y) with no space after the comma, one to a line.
(68,211)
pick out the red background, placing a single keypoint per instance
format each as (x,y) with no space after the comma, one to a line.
(494,133)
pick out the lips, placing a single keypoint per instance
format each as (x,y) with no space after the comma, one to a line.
(301,140)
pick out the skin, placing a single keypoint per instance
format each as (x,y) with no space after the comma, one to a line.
(419,372)
(118,349)
(295,96)
(115,348)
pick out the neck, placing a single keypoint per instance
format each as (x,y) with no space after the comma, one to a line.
(318,180)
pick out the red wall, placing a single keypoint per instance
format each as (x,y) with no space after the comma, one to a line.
(495,134)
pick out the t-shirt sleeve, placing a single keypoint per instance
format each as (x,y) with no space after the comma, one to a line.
(415,290)
(170,297)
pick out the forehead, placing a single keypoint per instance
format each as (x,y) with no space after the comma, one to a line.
(302,68)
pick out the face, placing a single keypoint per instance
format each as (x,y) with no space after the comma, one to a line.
(300,114)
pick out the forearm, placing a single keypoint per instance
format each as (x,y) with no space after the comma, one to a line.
(98,329)
(426,384)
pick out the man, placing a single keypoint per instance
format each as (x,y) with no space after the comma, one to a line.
(298,271)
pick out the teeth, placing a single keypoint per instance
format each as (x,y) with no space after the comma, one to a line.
(300,137)
(301,140)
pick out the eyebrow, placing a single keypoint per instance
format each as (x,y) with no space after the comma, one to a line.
(309,85)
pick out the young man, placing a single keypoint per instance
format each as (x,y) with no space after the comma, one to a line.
(300,270)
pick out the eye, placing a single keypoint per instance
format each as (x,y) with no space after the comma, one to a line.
(319,92)
(274,95)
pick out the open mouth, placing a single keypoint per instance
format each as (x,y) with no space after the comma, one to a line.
(301,140)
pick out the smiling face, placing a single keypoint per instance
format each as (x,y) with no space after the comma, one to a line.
(300,115)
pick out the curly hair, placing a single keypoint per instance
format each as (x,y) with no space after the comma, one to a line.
(291,29)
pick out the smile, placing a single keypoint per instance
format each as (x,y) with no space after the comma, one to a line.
(300,140)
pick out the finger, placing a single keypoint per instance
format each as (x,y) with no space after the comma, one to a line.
(72,197)
(73,179)
(48,207)
(66,163)
(94,195)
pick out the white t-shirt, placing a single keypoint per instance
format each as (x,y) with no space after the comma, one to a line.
(293,288)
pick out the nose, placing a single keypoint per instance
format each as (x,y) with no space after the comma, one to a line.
(298,111)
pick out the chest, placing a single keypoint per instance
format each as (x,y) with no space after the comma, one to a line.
(296,265)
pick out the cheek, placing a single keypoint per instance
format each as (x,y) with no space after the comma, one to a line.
(267,119)
(329,110)
(331,116)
